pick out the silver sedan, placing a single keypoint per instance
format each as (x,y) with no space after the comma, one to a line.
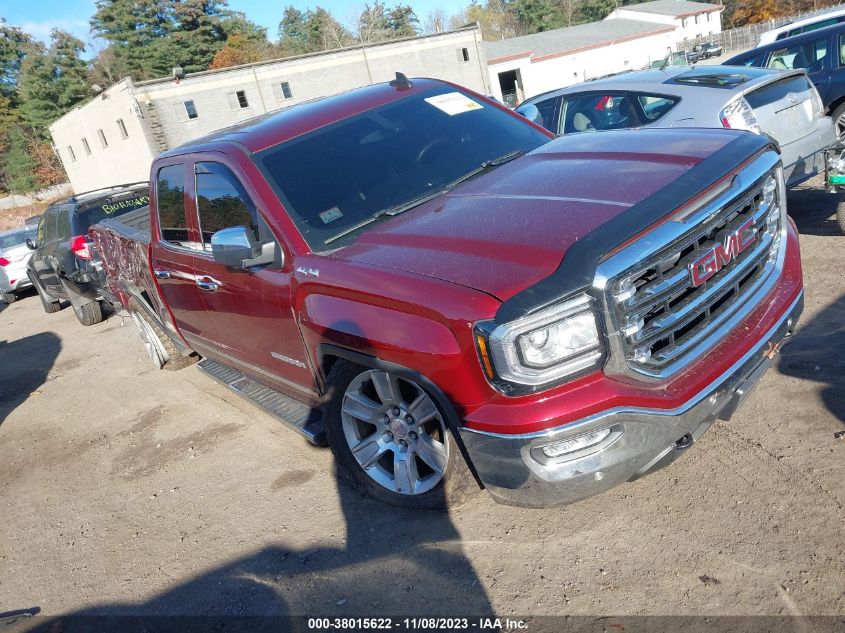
(783,105)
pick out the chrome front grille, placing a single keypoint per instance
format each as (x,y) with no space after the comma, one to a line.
(660,315)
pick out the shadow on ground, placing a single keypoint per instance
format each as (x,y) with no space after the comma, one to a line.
(24,366)
(818,354)
(392,564)
(814,210)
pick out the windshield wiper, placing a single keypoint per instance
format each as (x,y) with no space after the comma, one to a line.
(386,213)
(487,164)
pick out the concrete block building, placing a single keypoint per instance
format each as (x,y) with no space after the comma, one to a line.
(114,137)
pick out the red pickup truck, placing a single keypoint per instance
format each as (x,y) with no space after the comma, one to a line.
(450,297)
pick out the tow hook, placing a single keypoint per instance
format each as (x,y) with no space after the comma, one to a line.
(684,443)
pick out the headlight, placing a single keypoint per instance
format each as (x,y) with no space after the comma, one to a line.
(774,197)
(545,347)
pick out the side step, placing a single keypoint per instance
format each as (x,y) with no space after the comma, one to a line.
(298,416)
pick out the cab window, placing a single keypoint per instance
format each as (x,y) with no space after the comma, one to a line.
(170,189)
(222,201)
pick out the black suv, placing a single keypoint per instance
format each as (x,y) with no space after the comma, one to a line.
(62,267)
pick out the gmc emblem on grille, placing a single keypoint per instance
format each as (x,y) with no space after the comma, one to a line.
(719,256)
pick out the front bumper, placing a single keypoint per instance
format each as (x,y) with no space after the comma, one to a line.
(515,471)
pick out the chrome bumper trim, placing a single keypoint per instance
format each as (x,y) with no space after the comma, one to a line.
(515,471)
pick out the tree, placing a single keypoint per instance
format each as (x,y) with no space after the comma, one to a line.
(13,46)
(148,38)
(596,10)
(51,81)
(377,23)
(436,21)
(537,15)
(311,31)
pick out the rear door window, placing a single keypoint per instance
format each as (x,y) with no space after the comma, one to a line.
(655,106)
(222,201)
(809,55)
(170,189)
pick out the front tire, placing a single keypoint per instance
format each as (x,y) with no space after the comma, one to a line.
(8,297)
(391,441)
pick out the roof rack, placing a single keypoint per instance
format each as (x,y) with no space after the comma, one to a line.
(76,197)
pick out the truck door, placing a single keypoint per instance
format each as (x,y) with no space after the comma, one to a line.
(250,310)
(173,242)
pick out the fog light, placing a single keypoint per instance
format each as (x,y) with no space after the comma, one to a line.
(575,444)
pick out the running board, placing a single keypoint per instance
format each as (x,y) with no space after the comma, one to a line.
(300,417)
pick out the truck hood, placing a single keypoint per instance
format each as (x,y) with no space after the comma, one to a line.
(511,227)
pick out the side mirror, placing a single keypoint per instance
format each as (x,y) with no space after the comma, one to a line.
(236,247)
(30,245)
(530,112)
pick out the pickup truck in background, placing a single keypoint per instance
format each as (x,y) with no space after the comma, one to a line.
(451,298)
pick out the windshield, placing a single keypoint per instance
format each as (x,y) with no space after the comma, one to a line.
(340,176)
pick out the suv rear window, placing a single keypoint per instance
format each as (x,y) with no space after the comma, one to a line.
(90,213)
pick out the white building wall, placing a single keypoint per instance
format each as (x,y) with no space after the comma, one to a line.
(124,160)
(542,75)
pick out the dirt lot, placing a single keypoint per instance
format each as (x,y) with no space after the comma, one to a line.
(128,490)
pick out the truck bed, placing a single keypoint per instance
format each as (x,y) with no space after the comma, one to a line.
(122,246)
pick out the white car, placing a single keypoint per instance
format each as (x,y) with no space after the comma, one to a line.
(818,21)
(14,256)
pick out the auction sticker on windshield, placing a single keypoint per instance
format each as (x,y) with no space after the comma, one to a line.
(453,103)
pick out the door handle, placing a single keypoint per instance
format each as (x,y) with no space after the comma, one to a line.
(162,274)
(209,284)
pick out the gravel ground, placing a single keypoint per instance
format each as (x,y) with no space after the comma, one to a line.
(128,490)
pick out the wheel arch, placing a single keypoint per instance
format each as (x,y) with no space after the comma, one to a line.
(328,355)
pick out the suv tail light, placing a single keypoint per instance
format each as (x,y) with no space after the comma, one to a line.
(738,115)
(4,261)
(79,246)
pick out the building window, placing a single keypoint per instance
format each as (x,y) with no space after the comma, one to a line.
(72,154)
(103,140)
(242,102)
(709,15)
(463,54)
(286,90)
(696,19)
(191,109)
(86,146)
(121,126)
(684,22)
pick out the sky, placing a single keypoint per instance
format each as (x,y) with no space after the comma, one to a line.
(37,17)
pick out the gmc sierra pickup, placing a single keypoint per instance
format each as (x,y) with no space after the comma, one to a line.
(450,297)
